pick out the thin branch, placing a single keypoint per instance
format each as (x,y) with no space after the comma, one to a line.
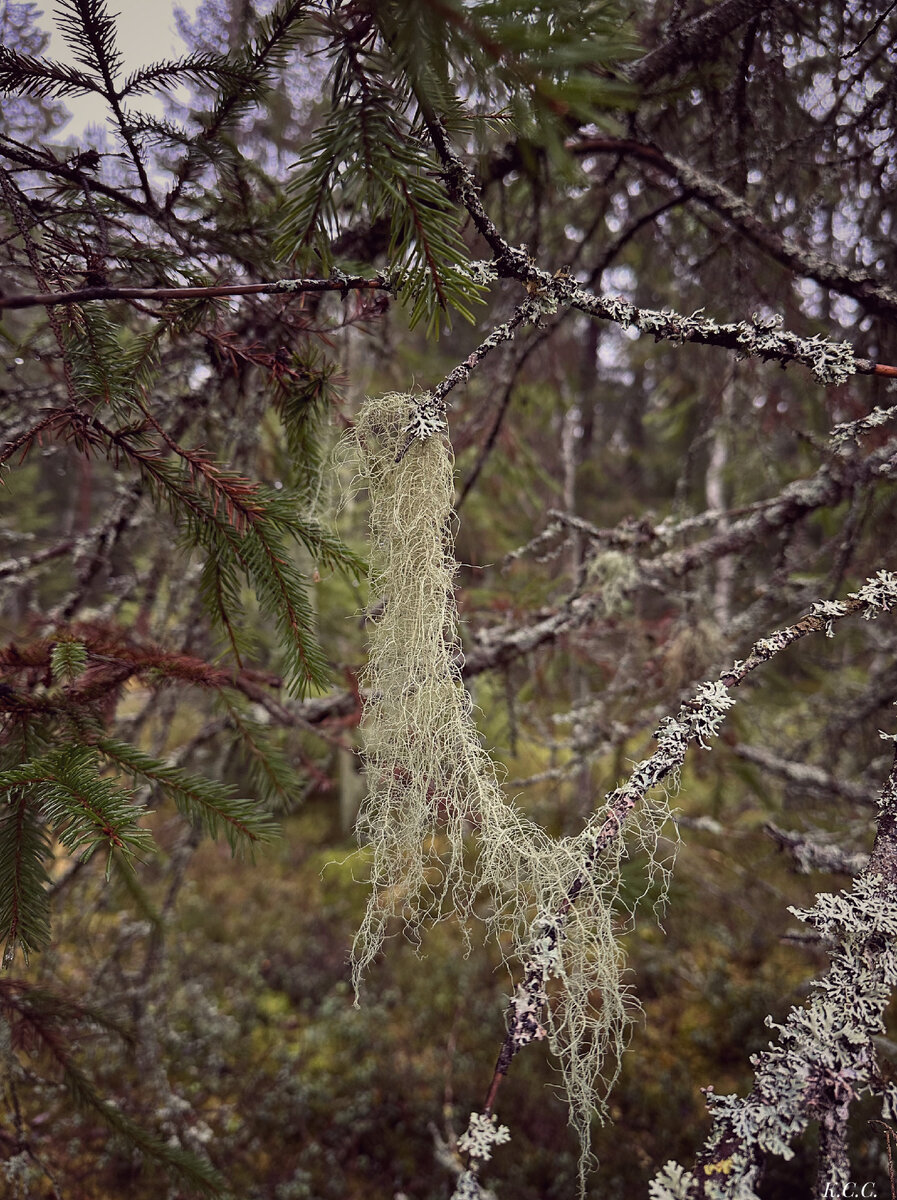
(339,283)
(502,333)
(26,156)
(429,410)
(18,566)
(813,781)
(812,855)
(695,41)
(497,422)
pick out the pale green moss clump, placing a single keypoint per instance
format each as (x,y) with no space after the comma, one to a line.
(432,786)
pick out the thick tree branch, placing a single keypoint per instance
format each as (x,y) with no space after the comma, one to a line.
(695,42)
(734,209)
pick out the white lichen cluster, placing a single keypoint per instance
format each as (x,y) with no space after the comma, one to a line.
(762,337)
(823,1059)
(483,1132)
(482,272)
(851,431)
(441,835)
(427,420)
(830,610)
(503,333)
(699,719)
(879,594)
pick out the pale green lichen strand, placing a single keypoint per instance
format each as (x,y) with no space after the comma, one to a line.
(431,784)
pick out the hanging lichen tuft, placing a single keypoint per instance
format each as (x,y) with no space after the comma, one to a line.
(419,757)
(431,784)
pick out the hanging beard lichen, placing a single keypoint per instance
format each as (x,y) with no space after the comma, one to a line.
(432,786)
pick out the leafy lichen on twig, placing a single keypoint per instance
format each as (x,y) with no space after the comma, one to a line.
(831,362)
(824,1056)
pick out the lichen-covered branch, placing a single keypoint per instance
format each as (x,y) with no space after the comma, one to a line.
(824,1057)
(830,362)
(697,721)
(828,486)
(811,854)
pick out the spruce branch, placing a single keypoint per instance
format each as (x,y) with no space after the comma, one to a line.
(84,809)
(90,30)
(45,161)
(24,852)
(24,75)
(215,69)
(383,168)
(278,32)
(241,526)
(46,1025)
(114,656)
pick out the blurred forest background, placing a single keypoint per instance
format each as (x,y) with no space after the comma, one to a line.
(182,562)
